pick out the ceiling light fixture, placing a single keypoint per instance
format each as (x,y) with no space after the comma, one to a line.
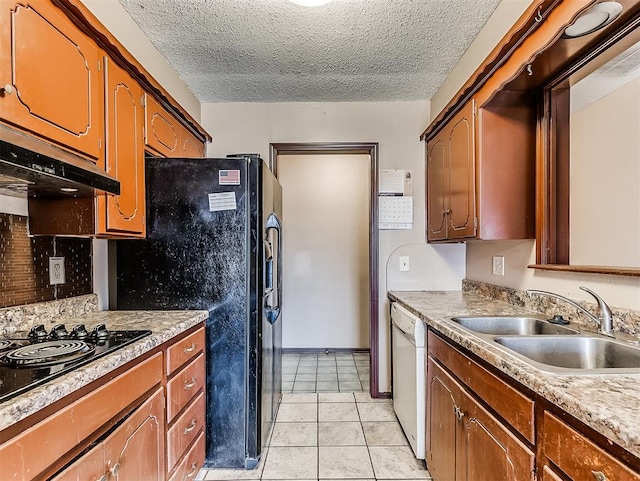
(597,17)
(310,3)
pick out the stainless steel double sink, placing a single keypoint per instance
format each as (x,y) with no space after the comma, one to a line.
(554,348)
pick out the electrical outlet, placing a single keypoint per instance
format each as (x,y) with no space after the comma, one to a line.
(404,264)
(498,265)
(56,270)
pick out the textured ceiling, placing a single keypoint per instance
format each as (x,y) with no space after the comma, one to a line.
(276,51)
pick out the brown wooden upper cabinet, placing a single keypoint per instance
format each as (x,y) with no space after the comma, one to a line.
(450,179)
(190,146)
(481,171)
(124,213)
(166,136)
(50,83)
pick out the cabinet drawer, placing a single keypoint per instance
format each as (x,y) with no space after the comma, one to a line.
(184,386)
(162,130)
(190,465)
(513,406)
(29,453)
(184,431)
(578,457)
(185,349)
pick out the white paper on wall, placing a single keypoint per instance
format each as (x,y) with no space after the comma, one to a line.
(395,212)
(395,196)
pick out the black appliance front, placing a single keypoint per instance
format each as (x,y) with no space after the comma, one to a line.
(204,251)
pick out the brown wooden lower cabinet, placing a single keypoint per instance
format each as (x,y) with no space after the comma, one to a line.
(464,441)
(548,475)
(186,406)
(578,457)
(133,451)
(472,437)
(190,465)
(88,466)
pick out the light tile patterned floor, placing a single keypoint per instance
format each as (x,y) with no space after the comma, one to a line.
(331,436)
(325,372)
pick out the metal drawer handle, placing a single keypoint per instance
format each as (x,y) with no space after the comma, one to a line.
(458,412)
(8,89)
(599,475)
(115,469)
(194,470)
(103,478)
(190,348)
(191,427)
(191,384)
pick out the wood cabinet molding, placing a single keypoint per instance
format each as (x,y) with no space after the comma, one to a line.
(535,15)
(87,22)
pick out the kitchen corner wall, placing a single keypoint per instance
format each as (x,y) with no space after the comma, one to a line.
(396,126)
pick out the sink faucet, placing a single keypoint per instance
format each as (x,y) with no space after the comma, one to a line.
(604,322)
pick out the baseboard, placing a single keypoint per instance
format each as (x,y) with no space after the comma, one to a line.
(328,350)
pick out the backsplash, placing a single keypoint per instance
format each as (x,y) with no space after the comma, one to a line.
(624,320)
(24,264)
(21,318)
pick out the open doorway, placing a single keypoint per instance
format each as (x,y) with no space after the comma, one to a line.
(364,157)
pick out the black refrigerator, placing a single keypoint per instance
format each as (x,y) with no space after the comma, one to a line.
(213,242)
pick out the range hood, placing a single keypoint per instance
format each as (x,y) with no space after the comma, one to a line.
(31,167)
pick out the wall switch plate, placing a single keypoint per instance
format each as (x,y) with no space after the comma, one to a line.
(498,265)
(56,270)
(404,264)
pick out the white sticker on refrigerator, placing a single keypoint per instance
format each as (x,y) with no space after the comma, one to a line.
(222,201)
(229,177)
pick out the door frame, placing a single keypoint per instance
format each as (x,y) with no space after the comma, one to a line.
(370,149)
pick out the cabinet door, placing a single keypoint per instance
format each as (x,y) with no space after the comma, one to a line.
(488,451)
(52,70)
(437,188)
(89,466)
(190,146)
(124,213)
(443,397)
(461,158)
(162,130)
(135,450)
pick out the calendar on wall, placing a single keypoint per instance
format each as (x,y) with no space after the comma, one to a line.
(395,199)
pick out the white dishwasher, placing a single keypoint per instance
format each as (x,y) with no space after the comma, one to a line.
(407,351)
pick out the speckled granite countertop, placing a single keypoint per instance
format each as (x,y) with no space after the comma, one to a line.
(164,325)
(607,403)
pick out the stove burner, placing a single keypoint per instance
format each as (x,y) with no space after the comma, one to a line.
(48,353)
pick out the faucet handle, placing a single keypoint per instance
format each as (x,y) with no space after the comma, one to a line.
(604,308)
(606,316)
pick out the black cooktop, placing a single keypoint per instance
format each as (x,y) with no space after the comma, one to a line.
(28,359)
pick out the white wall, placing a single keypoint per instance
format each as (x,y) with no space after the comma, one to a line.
(325,210)
(617,291)
(121,25)
(10,204)
(396,126)
(605,180)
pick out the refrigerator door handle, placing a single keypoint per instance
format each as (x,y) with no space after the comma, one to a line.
(273,274)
